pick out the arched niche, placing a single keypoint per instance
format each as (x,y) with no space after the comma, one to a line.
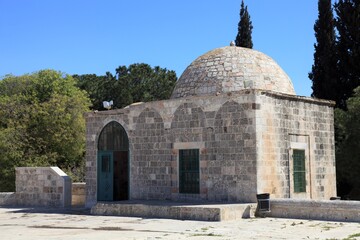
(113,163)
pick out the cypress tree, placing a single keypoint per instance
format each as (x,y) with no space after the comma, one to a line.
(348,47)
(243,37)
(324,74)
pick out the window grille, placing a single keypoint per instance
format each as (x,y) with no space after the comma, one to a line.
(189,171)
(114,138)
(299,170)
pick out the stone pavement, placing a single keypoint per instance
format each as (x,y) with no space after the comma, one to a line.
(17,223)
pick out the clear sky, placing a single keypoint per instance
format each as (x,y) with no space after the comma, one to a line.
(96,36)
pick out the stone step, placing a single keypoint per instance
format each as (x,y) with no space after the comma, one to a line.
(176,210)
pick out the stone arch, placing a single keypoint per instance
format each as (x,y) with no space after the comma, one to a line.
(229,116)
(113,163)
(113,137)
(229,127)
(188,123)
(151,157)
(233,170)
(108,120)
(151,119)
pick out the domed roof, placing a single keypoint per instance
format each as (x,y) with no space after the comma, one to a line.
(230,69)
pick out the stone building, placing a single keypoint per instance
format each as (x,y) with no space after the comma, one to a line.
(233,128)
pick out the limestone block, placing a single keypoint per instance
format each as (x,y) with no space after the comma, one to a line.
(48,186)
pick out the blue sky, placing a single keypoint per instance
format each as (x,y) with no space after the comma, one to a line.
(96,36)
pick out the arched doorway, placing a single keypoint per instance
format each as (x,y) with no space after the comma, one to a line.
(113,164)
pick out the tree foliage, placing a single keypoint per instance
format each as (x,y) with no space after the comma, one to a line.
(244,35)
(336,72)
(348,142)
(136,83)
(335,75)
(41,123)
(348,47)
(324,70)
(97,87)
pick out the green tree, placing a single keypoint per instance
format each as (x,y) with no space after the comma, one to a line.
(145,83)
(324,70)
(99,88)
(348,47)
(348,151)
(243,37)
(41,124)
(135,83)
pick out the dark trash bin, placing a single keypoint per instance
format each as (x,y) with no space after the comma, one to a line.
(263,202)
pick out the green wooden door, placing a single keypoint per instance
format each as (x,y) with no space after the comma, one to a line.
(113,163)
(105,176)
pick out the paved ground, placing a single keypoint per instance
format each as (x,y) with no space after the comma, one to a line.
(78,224)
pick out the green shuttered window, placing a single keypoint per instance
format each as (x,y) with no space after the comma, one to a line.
(299,170)
(189,171)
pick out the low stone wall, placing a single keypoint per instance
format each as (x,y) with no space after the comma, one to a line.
(42,186)
(7,199)
(78,194)
(328,210)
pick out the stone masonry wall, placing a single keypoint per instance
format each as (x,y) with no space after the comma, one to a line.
(42,186)
(221,127)
(187,130)
(94,124)
(234,151)
(284,123)
(7,199)
(78,195)
(151,157)
(326,210)
(243,139)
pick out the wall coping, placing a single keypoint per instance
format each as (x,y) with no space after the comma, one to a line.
(268,93)
(343,204)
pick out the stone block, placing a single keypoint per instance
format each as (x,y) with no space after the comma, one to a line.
(41,186)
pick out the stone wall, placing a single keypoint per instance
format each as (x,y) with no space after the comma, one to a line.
(314,209)
(243,138)
(222,128)
(7,199)
(42,186)
(151,157)
(78,195)
(285,123)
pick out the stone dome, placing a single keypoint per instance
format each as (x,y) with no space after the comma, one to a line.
(231,69)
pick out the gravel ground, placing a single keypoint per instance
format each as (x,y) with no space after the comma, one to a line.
(16,223)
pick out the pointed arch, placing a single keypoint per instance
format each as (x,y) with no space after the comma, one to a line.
(113,163)
(188,123)
(113,137)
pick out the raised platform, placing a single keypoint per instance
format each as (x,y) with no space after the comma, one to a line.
(176,210)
